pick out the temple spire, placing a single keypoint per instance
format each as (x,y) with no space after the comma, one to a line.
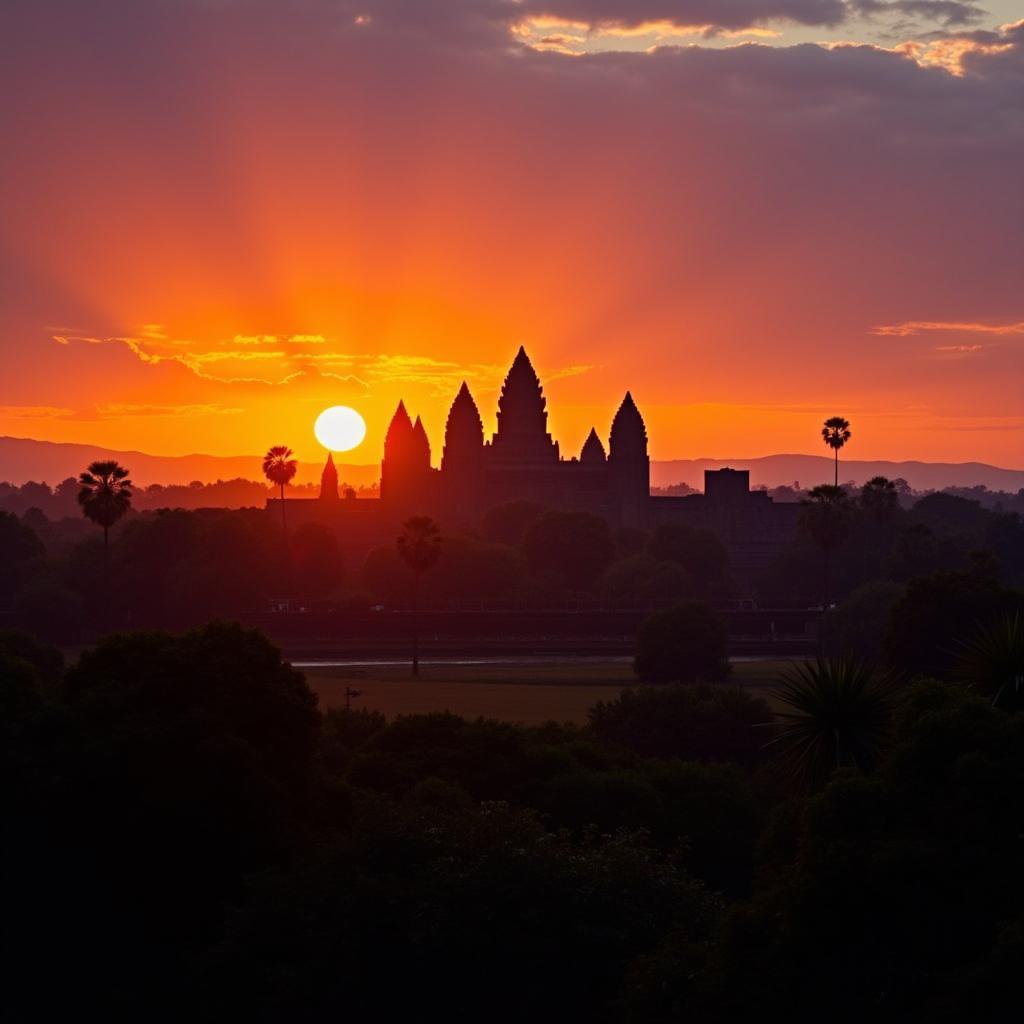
(593,451)
(463,432)
(329,480)
(628,434)
(420,444)
(522,434)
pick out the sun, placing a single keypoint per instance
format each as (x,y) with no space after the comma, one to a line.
(340,428)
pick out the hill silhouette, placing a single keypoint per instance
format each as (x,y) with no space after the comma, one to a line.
(810,470)
(23,459)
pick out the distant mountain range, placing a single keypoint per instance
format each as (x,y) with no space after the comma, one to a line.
(23,459)
(50,462)
(810,470)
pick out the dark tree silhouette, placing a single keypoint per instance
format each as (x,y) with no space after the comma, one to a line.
(836,432)
(105,495)
(419,545)
(280,467)
(993,660)
(880,498)
(684,644)
(834,713)
(825,519)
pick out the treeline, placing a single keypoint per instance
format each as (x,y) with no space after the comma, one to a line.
(176,568)
(187,837)
(867,536)
(60,501)
(179,568)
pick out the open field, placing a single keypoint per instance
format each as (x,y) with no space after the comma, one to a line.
(530,692)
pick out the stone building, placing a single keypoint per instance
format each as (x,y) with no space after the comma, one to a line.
(522,461)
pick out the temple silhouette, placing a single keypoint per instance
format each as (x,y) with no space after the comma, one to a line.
(522,461)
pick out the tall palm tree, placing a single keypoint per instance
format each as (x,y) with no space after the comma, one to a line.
(825,520)
(105,494)
(280,467)
(834,713)
(419,545)
(835,433)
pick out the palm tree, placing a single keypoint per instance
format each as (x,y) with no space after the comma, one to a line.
(419,545)
(279,467)
(825,519)
(105,494)
(993,661)
(835,433)
(834,714)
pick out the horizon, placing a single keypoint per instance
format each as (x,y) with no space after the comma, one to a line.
(359,203)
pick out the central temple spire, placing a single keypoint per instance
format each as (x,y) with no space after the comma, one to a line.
(522,434)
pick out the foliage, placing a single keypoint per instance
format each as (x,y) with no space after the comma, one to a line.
(701,723)
(641,581)
(424,888)
(575,546)
(835,432)
(683,644)
(506,524)
(858,625)
(419,544)
(835,713)
(106,493)
(21,551)
(50,610)
(317,562)
(280,466)
(46,661)
(934,611)
(473,571)
(700,552)
(880,498)
(993,660)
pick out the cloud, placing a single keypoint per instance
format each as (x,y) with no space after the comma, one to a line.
(132,409)
(950,13)
(34,412)
(914,327)
(700,222)
(726,14)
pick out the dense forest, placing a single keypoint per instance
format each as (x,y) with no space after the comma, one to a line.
(856,549)
(188,837)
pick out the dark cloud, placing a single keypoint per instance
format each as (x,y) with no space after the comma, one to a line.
(950,13)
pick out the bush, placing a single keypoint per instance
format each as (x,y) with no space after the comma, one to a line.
(575,545)
(935,612)
(684,644)
(858,625)
(643,582)
(699,552)
(706,723)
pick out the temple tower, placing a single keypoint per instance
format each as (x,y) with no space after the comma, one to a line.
(522,436)
(405,471)
(593,451)
(463,436)
(629,467)
(329,480)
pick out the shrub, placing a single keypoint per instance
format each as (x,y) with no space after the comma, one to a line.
(707,723)
(684,644)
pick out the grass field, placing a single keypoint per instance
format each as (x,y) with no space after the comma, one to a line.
(530,693)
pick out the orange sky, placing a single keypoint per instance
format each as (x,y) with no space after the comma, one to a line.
(223,218)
